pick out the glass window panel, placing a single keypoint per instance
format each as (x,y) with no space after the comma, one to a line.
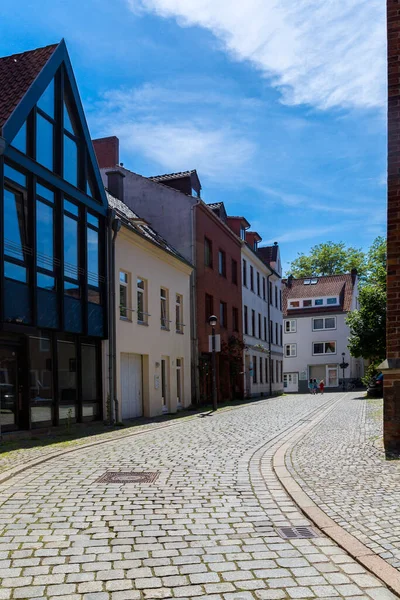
(46,282)
(123,277)
(90,399)
(67,120)
(70,248)
(92,220)
(123,301)
(45,193)
(92,258)
(15,237)
(67,380)
(15,175)
(19,142)
(331,301)
(13,271)
(70,161)
(8,388)
(70,207)
(46,101)
(44,142)
(318,323)
(44,236)
(330,347)
(330,323)
(41,380)
(319,302)
(318,348)
(72,289)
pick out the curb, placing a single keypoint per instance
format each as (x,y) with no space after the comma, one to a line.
(14,471)
(361,553)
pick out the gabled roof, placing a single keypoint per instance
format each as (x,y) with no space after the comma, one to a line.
(17,73)
(140,226)
(268,254)
(219,209)
(169,176)
(340,286)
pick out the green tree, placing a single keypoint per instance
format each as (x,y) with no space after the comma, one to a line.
(376,263)
(328,258)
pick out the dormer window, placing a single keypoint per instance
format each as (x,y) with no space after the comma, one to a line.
(307,303)
(294,304)
(332,301)
(307,281)
(255,245)
(318,302)
(242,233)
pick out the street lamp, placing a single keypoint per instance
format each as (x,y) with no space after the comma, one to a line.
(343,366)
(213,321)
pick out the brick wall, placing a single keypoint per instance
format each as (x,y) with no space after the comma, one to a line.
(392,376)
(107,151)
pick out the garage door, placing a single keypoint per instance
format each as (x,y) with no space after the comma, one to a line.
(131,386)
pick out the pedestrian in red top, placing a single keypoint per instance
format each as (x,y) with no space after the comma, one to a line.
(321,386)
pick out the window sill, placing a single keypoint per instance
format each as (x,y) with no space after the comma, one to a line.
(165,328)
(142,323)
(126,319)
(180,332)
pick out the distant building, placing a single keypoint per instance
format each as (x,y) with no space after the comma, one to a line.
(153,371)
(315,334)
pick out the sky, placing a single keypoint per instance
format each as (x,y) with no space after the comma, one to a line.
(279,105)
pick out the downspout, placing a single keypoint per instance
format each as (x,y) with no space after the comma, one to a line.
(269,337)
(193,297)
(114,227)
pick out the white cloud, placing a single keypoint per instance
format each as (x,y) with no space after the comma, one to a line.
(327,53)
(306,233)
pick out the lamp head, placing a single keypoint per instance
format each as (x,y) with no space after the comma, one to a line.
(212,320)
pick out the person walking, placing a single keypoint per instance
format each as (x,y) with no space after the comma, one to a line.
(321,386)
(311,386)
(315,386)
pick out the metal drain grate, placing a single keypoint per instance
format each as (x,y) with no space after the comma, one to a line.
(299,533)
(128,477)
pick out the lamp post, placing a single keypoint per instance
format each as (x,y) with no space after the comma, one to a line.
(213,321)
(343,366)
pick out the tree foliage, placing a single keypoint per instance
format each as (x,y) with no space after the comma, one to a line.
(328,258)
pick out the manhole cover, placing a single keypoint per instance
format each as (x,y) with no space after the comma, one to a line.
(129,477)
(298,533)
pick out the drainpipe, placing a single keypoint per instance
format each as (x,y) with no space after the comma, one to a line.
(193,311)
(269,337)
(114,227)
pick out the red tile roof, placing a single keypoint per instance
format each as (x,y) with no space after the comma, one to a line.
(17,73)
(268,254)
(331,285)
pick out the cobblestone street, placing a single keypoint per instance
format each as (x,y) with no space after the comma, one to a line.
(206,527)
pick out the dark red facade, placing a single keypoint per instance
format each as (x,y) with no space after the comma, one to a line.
(214,289)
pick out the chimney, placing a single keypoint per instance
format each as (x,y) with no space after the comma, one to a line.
(115,183)
(353,275)
(289,281)
(107,151)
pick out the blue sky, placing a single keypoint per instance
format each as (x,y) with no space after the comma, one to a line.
(280,106)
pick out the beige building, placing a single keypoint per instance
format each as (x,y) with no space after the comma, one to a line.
(152,282)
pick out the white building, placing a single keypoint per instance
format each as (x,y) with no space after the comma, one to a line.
(262,318)
(315,331)
(152,280)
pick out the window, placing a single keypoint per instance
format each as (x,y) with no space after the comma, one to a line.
(234,272)
(44,141)
(208,257)
(265,328)
(41,380)
(276,334)
(141,298)
(276,296)
(290,350)
(307,303)
(93,259)
(277,370)
(266,370)
(179,313)
(261,369)
(254,369)
(90,391)
(324,348)
(242,233)
(251,278)
(71,249)
(244,276)
(209,306)
(235,319)
(259,326)
(272,371)
(258,284)
(164,312)
(15,235)
(332,301)
(245,319)
(290,326)
(222,263)
(318,302)
(324,323)
(263,287)
(270,292)
(70,160)
(294,304)
(253,323)
(280,328)
(67,381)
(271,332)
(222,314)
(123,295)
(280,299)
(19,141)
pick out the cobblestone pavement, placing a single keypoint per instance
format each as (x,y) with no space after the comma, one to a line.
(206,528)
(342,468)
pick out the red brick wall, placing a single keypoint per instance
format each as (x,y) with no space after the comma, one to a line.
(107,151)
(209,281)
(392,379)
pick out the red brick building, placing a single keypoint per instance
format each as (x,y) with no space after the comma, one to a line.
(392,363)
(218,292)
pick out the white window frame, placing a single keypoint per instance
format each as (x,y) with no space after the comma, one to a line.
(292,350)
(126,285)
(292,325)
(143,293)
(324,328)
(164,319)
(324,353)
(179,325)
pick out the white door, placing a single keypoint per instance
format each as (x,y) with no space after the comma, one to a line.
(291,382)
(332,376)
(131,386)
